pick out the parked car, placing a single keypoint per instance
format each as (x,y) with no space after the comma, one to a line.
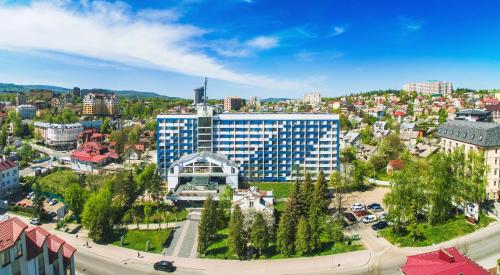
(350,217)
(35,221)
(357,206)
(52,202)
(371,206)
(164,266)
(383,217)
(379,225)
(377,209)
(369,218)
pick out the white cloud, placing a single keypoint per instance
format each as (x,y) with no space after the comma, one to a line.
(112,33)
(263,42)
(410,25)
(235,48)
(337,30)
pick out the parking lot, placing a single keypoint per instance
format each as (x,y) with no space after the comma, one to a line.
(356,204)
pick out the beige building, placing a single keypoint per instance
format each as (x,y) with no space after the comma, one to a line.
(312,98)
(232,103)
(98,104)
(430,87)
(469,135)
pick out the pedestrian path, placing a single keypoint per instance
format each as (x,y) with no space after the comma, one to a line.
(189,239)
(169,251)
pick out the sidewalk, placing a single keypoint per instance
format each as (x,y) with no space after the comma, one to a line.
(153,226)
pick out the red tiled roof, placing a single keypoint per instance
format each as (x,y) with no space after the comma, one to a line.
(442,262)
(10,230)
(7,164)
(93,152)
(68,252)
(35,238)
(54,245)
(399,113)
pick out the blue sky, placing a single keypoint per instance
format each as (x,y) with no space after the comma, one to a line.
(267,48)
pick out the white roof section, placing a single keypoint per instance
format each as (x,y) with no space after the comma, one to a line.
(55,125)
(277,116)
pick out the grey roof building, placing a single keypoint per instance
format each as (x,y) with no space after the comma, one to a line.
(474,115)
(484,134)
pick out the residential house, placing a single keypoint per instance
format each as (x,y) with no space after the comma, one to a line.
(442,262)
(9,177)
(33,250)
(92,156)
(409,138)
(394,165)
(254,199)
(495,111)
(379,129)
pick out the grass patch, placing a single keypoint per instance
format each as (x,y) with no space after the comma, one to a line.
(136,239)
(280,189)
(220,249)
(455,227)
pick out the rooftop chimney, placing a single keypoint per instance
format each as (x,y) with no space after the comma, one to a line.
(446,256)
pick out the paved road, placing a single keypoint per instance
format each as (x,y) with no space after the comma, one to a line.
(88,264)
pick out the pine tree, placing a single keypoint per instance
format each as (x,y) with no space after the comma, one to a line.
(306,195)
(321,197)
(315,227)
(286,229)
(303,237)
(207,226)
(260,236)
(237,236)
(38,201)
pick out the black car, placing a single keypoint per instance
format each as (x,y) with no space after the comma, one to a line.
(350,217)
(374,205)
(164,266)
(380,225)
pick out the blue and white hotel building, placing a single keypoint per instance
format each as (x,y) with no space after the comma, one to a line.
(264,146)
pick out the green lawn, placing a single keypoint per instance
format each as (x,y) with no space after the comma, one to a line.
(220,249)
(136,239)
(280,189)
(454,228)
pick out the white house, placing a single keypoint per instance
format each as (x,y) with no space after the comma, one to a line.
(254,199)
(9,177)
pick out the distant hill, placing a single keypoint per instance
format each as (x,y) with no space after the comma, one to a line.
(10,87)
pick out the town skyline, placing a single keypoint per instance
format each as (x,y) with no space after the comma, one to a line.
(256,47)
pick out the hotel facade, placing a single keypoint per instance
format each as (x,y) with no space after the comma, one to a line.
(264,146)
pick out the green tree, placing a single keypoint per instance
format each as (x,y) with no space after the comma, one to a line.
(443,115)
(3,137)
(260,233)
(237,238)
(121,139)
(303,237)
(75,197)
(148,210)
(37,201)
(287,227)
(321,196)
(306,195)
(106,126)
(98,214)
(207,226)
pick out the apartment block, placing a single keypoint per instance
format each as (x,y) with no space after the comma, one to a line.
(430,87)
(265,147)
(482,136)
(100,104)
(232,103)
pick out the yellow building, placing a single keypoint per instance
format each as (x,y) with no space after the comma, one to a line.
(100,104)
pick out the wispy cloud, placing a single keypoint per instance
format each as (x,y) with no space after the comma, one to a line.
(338,30)
(409,24)
(236,48)
(111,32)
(309,56)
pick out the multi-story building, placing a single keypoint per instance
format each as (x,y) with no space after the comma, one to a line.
(199,95)
(265,147)
(20,99)
(26,111)
(483,136)
(474,115)
(232,103)
(254,102)
(9,177)
(495,112)
(100,104)
(312,98)
(76,92)
(33,250)
(57,135)
(430,87)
